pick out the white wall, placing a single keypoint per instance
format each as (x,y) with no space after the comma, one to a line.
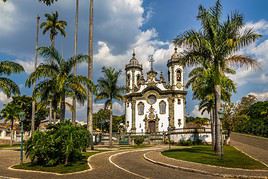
(179,113)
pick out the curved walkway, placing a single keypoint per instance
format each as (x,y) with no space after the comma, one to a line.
(114,164)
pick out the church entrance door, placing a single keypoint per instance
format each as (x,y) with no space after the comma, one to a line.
(152,127)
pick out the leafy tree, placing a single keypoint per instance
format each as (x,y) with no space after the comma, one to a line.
(215,44)
(55,77)
(8,86)
(117,120)
(54,26)
(253,119)
(101,119)
(108,89)
(10,114)
(23,104)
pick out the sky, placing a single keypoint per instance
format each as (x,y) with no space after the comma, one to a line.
(148,26)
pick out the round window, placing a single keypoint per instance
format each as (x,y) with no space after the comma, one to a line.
(151,99)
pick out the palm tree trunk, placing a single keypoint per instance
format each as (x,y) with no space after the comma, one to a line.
(212,129)
(11,132)
(111,126)
(218,146)
(90,76)
(75,53)
(35,65)
(54,117)
(62,107)
(50,110)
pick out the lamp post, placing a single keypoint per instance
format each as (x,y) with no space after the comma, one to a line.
(22,118)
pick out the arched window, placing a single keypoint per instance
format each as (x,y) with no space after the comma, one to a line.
(168,76)
(178,75)
(128,80)
(162,107)
(140,108)
(138,79)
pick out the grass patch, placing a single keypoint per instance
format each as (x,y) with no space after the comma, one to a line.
(204,154)
(74,167)
(4,146)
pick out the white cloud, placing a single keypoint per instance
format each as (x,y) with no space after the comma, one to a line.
(7,14)
(27,65)
(262,96)
(260,26)
(3,98)
(197,113)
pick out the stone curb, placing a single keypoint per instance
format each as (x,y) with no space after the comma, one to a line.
(201,171)
(60,174)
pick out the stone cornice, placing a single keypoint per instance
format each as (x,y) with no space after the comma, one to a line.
(161,92)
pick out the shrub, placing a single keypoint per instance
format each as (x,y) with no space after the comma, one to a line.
(60,144)
(185,142)
(139,140)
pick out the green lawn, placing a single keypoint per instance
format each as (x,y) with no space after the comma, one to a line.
(4,146)
(203,154)
(75,167)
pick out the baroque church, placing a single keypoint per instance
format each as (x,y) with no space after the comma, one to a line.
(153,104)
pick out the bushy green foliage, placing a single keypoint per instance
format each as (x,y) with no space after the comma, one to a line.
(185,142)
(190,142)
(255,120)
(139,140)
(61,144)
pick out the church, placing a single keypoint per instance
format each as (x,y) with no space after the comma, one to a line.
(153,104)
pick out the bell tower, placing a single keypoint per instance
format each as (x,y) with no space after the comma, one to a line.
(175,71)
(133,74)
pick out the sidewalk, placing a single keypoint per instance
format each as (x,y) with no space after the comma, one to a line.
(157,158)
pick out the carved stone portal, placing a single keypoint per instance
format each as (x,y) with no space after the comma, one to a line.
(151,121)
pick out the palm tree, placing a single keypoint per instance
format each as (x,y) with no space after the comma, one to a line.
(55,77)
(108,89)
(54,26)
(75,53)
(48,2)
(216,44)
(8,86)
(201,80)
(90,75)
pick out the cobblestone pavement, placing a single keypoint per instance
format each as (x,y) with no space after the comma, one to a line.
(125,166)
(256,147)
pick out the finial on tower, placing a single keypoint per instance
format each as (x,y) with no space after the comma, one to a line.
(133,53)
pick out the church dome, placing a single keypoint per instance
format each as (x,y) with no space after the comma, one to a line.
(175,56)
(134,63)
(133,60)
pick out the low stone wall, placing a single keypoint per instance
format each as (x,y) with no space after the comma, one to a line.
(204,137)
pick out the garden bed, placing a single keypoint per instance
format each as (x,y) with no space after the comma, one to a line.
(77,166)
(205,155)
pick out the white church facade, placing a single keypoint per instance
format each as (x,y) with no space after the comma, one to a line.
(154,104)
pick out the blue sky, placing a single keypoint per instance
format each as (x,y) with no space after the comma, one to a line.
(122,25)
